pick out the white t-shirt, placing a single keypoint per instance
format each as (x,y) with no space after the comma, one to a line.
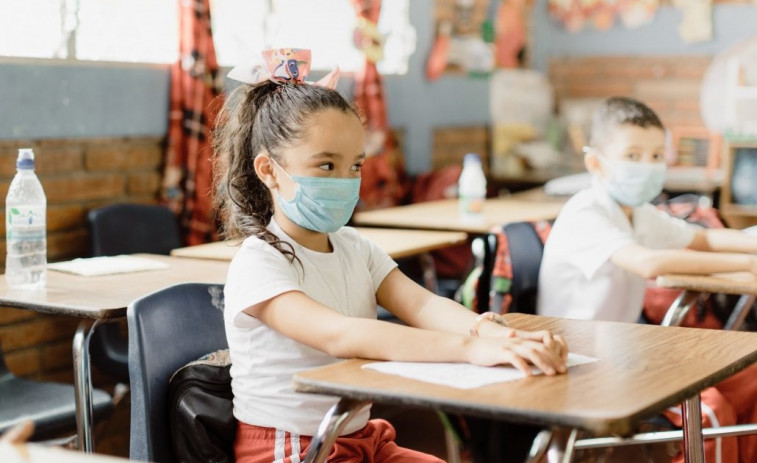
(577,278)
(263,361)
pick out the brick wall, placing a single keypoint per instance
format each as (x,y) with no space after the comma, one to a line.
(669,84)
(77,175)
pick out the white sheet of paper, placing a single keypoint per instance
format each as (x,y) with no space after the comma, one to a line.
(462,375)
(107,265)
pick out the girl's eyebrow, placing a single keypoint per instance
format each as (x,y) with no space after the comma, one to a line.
(330,155)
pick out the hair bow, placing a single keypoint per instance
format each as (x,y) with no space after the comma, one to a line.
(282,65)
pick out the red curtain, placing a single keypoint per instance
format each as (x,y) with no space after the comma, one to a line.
(195,99)
(383,183)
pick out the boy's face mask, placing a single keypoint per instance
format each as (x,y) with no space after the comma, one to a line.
(632,183)
(320,204)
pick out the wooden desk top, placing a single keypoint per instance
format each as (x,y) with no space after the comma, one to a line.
(397,243)
(728,283)
(37,453)
(444,215)
(108,296)
(643,369)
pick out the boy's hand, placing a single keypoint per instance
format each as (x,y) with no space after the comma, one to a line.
(519,352)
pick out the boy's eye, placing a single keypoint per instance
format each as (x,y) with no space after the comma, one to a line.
(632,156)
(357,166)
(327,166)
(658,156)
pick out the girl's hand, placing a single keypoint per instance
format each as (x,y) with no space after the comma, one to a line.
(517,351)
(552,341)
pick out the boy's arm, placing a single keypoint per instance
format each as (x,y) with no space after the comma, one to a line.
(650,263)
(724,240)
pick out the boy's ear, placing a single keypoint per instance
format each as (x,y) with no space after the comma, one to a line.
(592,162)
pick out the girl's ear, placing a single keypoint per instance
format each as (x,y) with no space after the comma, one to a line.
(264,170)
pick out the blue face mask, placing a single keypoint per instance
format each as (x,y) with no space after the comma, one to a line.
(320,204)
(633,183)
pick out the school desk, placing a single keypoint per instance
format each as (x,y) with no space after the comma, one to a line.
(103,298)
(444,214)
(37,453)
(665,367)
(397,243)
(743,283)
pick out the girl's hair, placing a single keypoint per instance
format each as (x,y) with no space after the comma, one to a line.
(617,111)
(263,117)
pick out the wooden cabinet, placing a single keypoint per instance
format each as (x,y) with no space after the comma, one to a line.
(738,200)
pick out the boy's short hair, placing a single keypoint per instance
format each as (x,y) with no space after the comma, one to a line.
(617,111)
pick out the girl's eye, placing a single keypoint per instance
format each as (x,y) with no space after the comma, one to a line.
(357,167)
(657,156)
(327,166)
(632,156)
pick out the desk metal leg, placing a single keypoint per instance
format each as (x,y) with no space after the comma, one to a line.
(330,428)
(562,445)
(693,442)
(557,445)
(743,306)
(83,385)
(676,313)
(429,272)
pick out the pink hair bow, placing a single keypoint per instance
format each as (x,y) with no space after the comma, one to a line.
(283,65)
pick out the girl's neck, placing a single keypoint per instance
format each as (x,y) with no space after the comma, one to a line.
(309,239)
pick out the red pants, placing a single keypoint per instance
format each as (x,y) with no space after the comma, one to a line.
(732,401)
(372,444)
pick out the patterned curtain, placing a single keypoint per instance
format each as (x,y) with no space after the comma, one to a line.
(384,182)
(195,99)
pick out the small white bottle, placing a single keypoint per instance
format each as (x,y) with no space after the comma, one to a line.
(25,227)
(471,188)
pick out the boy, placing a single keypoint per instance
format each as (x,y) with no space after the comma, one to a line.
(609,240)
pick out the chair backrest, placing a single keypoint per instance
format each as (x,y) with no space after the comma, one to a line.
(509,261)
(167,329)
(131,228)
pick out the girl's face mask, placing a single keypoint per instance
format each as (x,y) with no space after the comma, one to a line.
(632,183)
(320,204)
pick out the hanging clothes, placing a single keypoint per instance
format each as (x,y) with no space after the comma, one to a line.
(195,100)
(383,170)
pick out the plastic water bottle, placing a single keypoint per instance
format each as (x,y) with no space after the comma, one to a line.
(471,188)
(25,231)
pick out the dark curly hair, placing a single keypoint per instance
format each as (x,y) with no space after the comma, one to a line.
(263,117)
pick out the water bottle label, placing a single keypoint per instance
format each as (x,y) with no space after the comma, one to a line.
(25,217)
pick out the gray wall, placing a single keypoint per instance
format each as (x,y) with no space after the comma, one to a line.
(51,100)
(732,23)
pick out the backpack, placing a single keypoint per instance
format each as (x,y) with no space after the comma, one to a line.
(201,416)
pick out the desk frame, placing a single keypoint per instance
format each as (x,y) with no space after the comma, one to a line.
(358,392)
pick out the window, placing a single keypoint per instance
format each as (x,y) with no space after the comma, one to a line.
(146,30)
(242,28)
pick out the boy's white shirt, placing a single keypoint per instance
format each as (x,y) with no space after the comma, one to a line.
(578,280)
(263,361)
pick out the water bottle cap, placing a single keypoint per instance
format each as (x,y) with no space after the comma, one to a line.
(25,159)
(471,158)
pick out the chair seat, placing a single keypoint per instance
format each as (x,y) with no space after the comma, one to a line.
(51,406)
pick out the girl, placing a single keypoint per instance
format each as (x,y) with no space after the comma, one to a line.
(302,290)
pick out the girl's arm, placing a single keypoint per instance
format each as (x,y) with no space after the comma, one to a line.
(419,307)
(650,263)
(724,240)
(298,317)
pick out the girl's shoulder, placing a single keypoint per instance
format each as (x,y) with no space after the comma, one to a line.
(348,236)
